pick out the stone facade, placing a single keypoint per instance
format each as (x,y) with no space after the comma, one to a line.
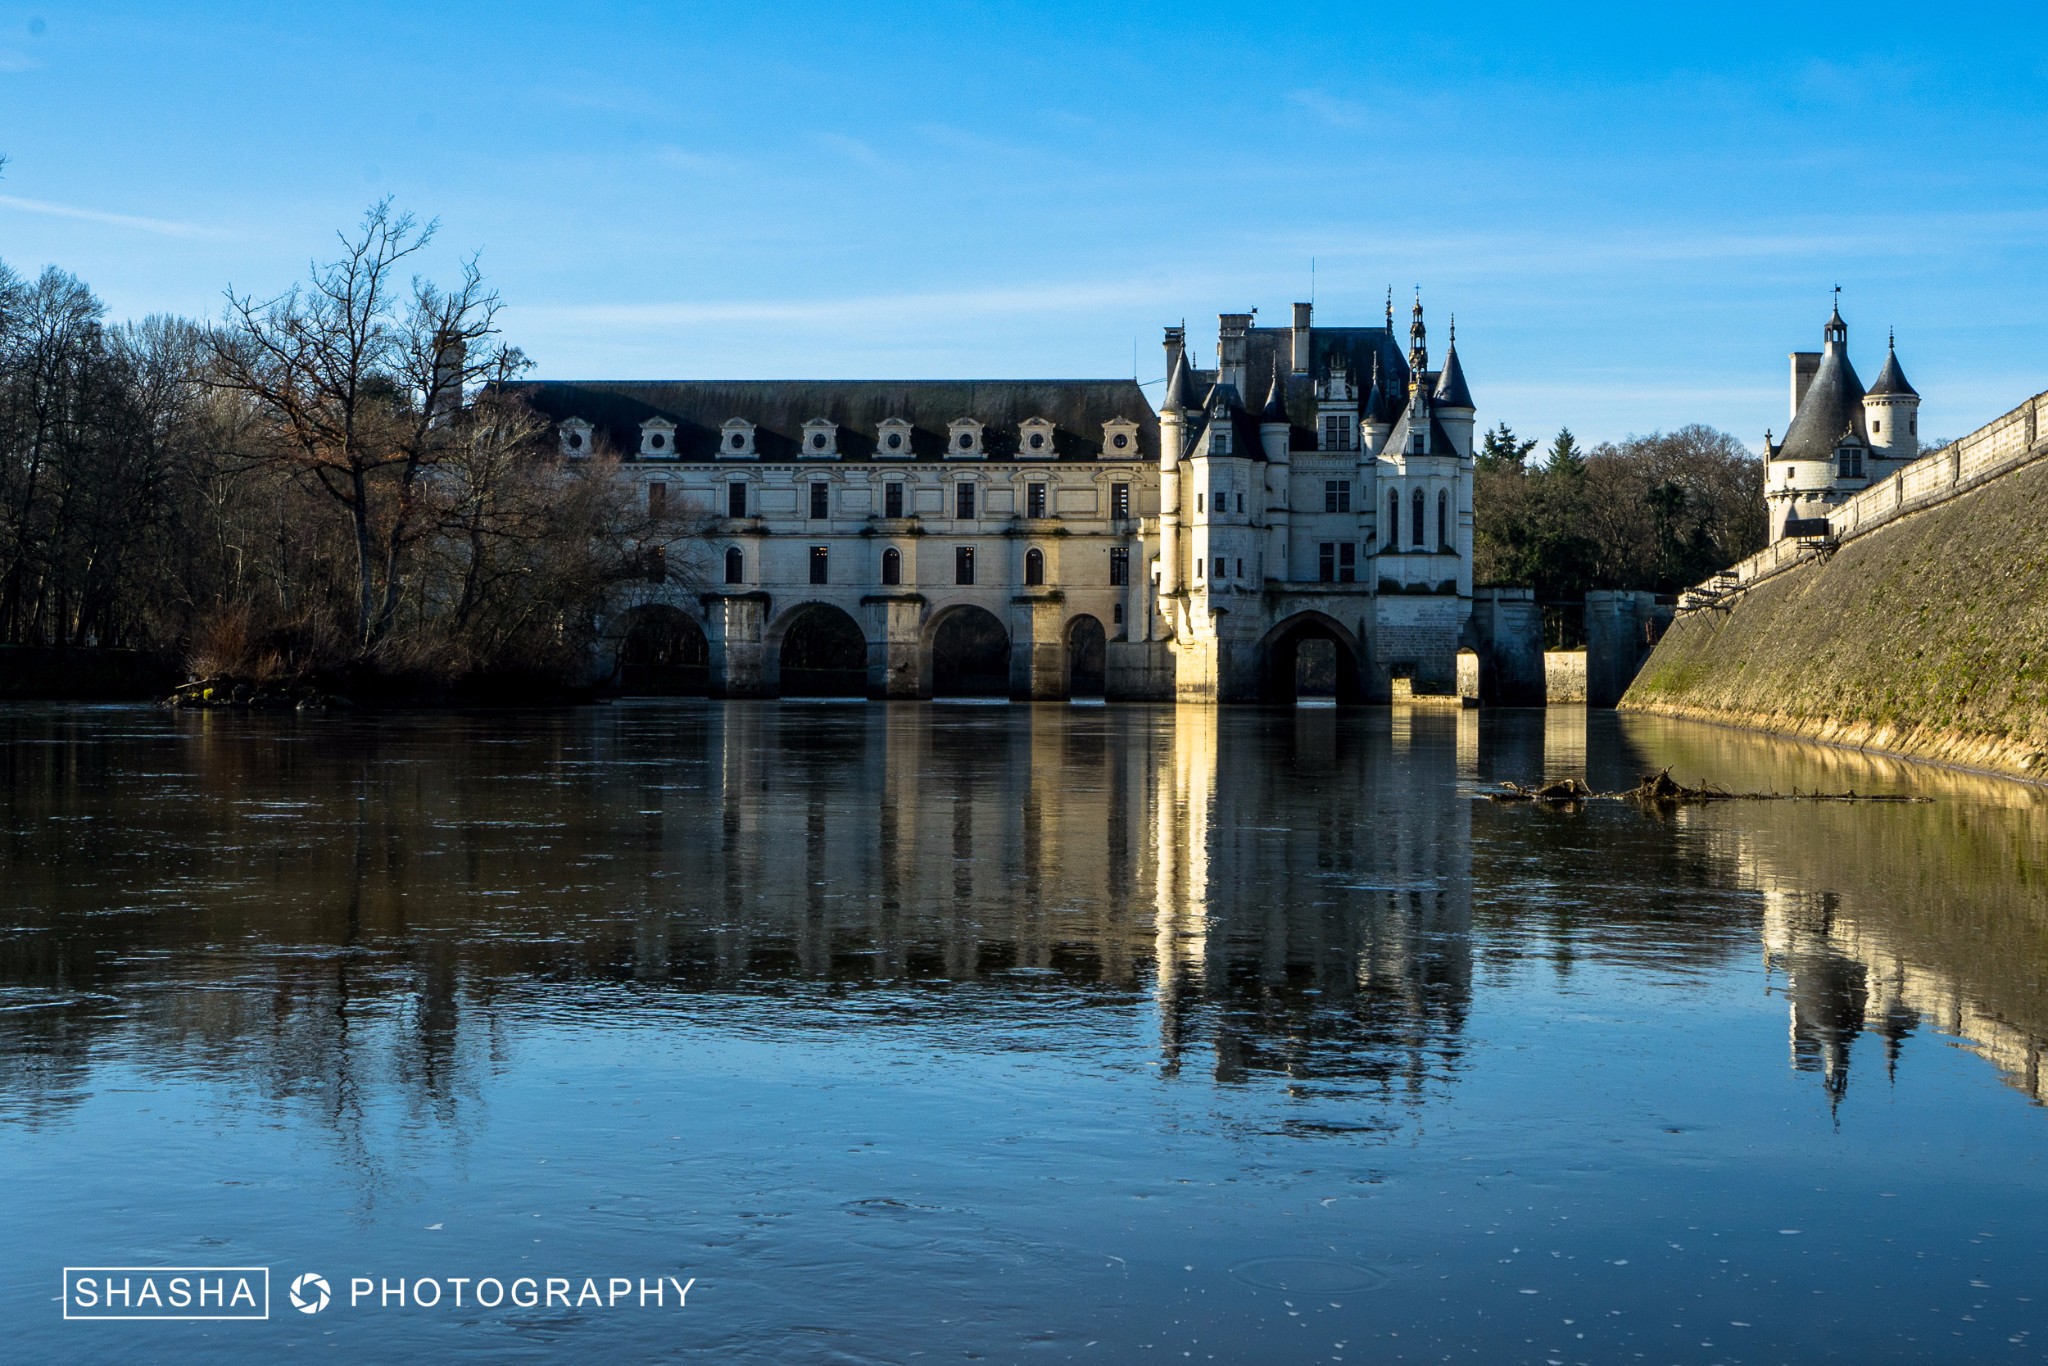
(881,533)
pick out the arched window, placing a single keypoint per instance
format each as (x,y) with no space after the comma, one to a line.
(1392,540)
(892,566)
(1417,509)
(1034,567)
(1443,519)
(735,563)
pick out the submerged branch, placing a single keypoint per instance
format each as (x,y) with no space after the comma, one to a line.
(1661,790)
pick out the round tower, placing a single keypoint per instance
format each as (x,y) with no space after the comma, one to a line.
(1891,411)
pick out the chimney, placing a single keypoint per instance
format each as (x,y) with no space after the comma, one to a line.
(1230,349)
(1302,334)
(1804,363)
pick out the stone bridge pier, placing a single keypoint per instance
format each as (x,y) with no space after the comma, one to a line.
(1506,633)
(1621,627)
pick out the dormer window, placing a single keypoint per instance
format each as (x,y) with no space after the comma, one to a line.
(963,438)
(657,439)
(1219,441)
(736,439)
(575,438)
(1119,438)
(892,438)
(1034,439)
(821,439)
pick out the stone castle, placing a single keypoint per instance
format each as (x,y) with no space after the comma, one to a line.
(1048,538)
(1843,437)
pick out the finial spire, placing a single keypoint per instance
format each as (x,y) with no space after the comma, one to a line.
(1390,308)
(1454,329)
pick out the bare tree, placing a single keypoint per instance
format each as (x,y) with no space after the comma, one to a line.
(355,374)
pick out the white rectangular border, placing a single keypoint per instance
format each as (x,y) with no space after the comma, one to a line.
(263,1317)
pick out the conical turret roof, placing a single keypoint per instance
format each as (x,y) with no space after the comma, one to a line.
(1831,412)
(1450,385)
(1892,380)
(1176,386)
(1276,399)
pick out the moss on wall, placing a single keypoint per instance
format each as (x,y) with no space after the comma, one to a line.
(1927,637)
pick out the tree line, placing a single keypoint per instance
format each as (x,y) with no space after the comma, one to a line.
(337,478)
(1658,512)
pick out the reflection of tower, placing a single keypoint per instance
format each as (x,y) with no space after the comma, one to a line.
(1181,822)
(1313,912)
(1827,992)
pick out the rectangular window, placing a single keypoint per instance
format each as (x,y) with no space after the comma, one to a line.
(820,562)
(963,559)
(1119,500)
(657,499)
(821,502)
(1240,502)
(1336,495)
(1117,611)
(1034,500)
(963,501)
(1336,433)
(1240,569)
(892,500)
(735,499)
(1347,563)
(1326,562)
(1198,566)
(1222,570)
(657,565)
(1119,565)
(1219,442)
(1198,502)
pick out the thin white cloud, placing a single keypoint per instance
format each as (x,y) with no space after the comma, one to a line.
(879,310)
(854,150)
(1338,113)
(162,227)
(11,61)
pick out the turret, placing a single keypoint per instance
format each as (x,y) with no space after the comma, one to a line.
(1275,433)
(1172,439)
(1891,411)
(1453,400)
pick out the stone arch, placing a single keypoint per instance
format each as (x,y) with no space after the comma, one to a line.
(820,651)
(1280,659)
(663,652)
(1087,657)
(967,653)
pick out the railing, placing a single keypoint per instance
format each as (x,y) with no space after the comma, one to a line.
(1995,449)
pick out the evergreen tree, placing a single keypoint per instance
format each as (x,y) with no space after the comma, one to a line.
(1565,455)
(1503,450)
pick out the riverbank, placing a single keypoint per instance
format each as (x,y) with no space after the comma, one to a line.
(44,673)
(1926,638)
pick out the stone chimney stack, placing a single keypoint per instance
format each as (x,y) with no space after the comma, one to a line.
(1230,349)
(1176,346)
(1303,334)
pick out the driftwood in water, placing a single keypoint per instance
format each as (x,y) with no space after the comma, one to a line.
(1661,790)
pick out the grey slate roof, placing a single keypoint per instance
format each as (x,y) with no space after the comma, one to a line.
(1450,384)
(1077,408)
(1358,347)
(1244,428)
(1276,400)
(1831,411)
(1891,379)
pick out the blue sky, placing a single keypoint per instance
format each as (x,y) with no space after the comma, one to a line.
(1635,212)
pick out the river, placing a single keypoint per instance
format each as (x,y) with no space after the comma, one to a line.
(928,1032)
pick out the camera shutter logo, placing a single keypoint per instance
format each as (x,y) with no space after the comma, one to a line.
(310,1293)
